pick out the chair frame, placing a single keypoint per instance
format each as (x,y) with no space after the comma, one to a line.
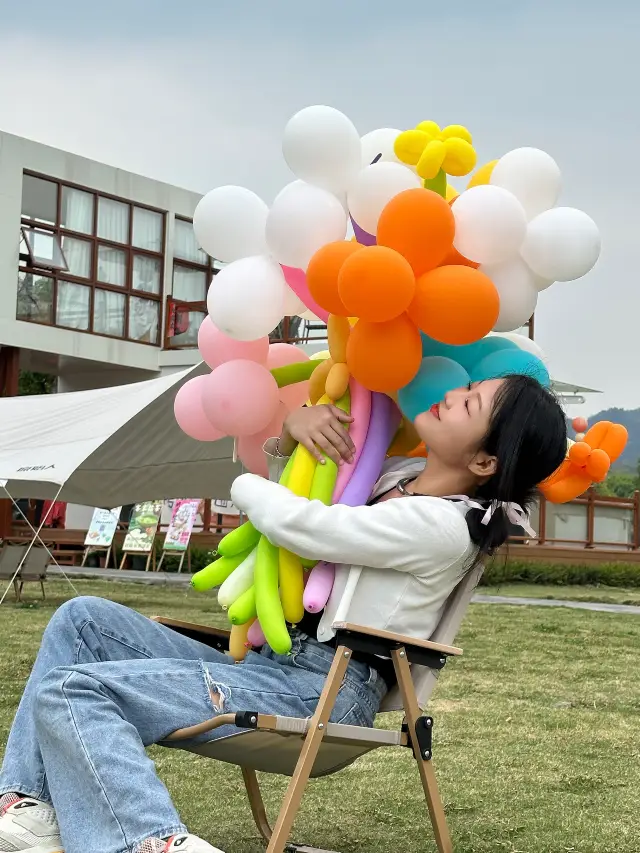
(416,731)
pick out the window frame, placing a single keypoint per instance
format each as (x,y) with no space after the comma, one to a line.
(26,264)
(174,304)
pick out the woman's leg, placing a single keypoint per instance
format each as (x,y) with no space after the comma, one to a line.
(84,630)
(94,720)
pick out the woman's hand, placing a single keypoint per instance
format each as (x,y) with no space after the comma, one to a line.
(319,428)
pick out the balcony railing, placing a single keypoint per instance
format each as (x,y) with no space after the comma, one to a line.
(182,321)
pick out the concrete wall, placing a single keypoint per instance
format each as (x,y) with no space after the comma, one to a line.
(16,155)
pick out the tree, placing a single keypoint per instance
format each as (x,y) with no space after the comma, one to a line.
(619,484)
(36,383)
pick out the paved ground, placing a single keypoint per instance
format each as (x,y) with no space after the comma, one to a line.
(174,579)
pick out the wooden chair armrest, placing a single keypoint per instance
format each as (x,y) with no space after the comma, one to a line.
(417,650)
(217,638)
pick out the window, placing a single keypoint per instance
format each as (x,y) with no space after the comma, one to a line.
(35,298)
(193,270)
(90,262)
(39,200)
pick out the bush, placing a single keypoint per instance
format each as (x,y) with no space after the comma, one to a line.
(502,570)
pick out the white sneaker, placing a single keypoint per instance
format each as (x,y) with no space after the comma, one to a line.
(29,825)
(177,844)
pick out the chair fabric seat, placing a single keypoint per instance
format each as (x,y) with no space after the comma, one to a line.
(278,752)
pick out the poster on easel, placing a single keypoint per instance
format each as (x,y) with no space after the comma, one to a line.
(143,527)
(183,518)
(102,528)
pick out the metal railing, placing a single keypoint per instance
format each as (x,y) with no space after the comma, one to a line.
(183,319)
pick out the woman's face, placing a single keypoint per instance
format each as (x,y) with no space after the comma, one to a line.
(454,429)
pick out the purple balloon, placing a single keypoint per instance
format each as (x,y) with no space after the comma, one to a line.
(319,586)
(363,237)
(384,422)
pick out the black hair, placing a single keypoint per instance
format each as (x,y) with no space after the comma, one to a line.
(528,436)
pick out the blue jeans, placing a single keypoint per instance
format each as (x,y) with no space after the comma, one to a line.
(107,682)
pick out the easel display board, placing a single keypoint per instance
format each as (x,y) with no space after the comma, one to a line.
(141,535)
(183,518)
(104,524)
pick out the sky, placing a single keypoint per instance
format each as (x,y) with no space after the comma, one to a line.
(198,93)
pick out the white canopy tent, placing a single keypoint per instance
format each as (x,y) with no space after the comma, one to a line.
(109,447)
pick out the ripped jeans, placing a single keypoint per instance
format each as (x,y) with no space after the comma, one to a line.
(107,682)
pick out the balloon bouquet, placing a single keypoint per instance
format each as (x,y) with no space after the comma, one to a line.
(420,300)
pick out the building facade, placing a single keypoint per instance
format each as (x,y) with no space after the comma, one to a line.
(101,279)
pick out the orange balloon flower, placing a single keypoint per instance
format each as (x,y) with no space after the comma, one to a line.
(587,462)
(323,271)
(384,356)
(376,284)
(455,305)
(419,224)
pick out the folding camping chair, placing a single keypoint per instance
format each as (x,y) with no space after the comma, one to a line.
(33,569)
(314,747)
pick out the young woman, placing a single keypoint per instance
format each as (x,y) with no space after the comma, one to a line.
(108,681)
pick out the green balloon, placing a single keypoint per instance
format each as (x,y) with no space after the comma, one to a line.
(243,608)
(241,539)
(267,596)
(292,373)
(217,572)
(437,184)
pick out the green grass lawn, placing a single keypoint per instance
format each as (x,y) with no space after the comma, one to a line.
(599,593)
(537,738)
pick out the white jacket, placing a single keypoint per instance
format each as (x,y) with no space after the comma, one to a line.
(396,561)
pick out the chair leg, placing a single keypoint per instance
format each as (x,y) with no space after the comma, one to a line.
(43,592)
(16,589)
(425,766)
(310,748)
(257,803)
(20,588)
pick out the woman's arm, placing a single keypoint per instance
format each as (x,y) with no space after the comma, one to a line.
(321,429)
(410,535)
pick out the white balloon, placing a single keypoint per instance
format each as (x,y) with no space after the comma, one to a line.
(302,219)
(379,143)
(532,176)
(229,223)
(246,298)
(562,244)
(525,343)
(292,303)
(374,187)
(490,224)
(322,146)
(517,290)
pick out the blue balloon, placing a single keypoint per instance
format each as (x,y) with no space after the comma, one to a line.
(470,354)
(506,362)
(436,376)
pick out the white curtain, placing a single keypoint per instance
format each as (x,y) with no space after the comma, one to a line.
(77,254)
(72,309)
(112,266)
(113,220)
(185,245)
(189,285)
(77,210)
(108,313)
(143,319)
(146,273)
(147,229)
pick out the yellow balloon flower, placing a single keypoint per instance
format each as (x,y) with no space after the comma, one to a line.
(432,149)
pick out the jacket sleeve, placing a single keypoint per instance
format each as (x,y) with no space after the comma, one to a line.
(408,535)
